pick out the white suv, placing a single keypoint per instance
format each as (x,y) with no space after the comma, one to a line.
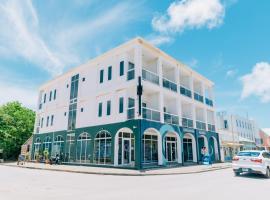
(257,162)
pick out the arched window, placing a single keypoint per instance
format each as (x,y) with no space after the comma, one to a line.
(47,144)
(83,148)
(70,148)
(37,149)
(58,146)
(126,148)
(103,148)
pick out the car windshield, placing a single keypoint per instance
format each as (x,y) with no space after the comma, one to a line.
(249,153)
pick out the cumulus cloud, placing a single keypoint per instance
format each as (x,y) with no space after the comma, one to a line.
(190,14)
(257,83)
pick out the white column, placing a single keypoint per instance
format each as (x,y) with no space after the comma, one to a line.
(205,118)
(160,154)
(161,95)
(116,147)
(179,109)
(194,115)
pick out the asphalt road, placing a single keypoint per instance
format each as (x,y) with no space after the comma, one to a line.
(29,184)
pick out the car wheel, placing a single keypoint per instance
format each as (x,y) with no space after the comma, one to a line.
(267,175)
(237,173)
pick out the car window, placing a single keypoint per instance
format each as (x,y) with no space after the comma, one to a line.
(265,155)
(249,154)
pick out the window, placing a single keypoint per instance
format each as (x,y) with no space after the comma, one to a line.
(44,99)
(47,123)
(122,71)
(108,107)
(150,148)
(121,104)
(131,108)
(72,116)
(52,118)
(83,79)
(50,98)
(73,102)
(131,71)
(101,73)
(42,122)
(83,148)
(37,146)
(81,109)
(100,109)
(58,146)
(109,73)
(54,95)
(47,144)
(103,148)
(226,124)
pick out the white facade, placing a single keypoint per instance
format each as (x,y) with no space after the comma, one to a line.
(172,92)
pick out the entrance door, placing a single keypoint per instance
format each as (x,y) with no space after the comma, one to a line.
(188,151)
(126,154)
(171,150)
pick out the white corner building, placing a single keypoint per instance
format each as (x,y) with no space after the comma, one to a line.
(133,106)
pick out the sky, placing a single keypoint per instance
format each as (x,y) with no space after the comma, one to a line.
(227,41)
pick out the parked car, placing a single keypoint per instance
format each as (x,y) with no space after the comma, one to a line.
(257,162)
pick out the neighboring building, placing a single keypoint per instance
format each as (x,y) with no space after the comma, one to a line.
(133,107)
(27,146)
(236,133)
(265,136)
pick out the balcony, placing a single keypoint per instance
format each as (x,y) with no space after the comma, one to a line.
(186,92)
(188,123)
(150,76)
(150,114)
(171,119)
(169,85)
(209,102)
(201,125)
(198,97)
(211,128)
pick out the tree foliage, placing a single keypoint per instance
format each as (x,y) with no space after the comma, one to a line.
(16,126)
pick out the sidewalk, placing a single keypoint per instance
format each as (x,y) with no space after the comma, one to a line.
(122,172)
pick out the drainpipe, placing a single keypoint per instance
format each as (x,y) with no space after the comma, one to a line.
(139,93)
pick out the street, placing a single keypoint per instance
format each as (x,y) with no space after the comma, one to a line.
(18,183)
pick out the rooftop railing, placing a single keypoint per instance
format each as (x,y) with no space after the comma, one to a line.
(186,122)
(150,114)
(171,118)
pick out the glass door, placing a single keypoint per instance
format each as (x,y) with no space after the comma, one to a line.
(171,151)
(126,155)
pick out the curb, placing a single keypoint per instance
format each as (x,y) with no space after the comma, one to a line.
(140,173)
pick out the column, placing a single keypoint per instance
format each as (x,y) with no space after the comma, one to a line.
(194,115)
(161,95)
(205,118)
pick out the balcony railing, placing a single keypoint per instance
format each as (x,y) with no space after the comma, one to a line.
(209,102)
(150,76)
(188,123)
(185,91)
(131,113)
(211,128)
(198,97)
(171,119)
(169,85)
(150,114)
(200,125)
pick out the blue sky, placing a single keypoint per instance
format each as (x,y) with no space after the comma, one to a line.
(225,40)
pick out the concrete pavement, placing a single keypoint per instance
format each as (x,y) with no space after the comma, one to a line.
(123,172)
(24,184)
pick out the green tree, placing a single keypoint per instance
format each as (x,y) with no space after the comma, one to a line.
(16,126)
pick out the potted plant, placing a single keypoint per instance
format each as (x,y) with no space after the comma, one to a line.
(46,156)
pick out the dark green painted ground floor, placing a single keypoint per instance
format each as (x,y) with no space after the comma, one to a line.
(132,144)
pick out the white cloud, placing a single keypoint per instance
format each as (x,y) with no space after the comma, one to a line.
(189,14)
(257,83)
(18,92)
(21,37)
(158,40)
(231,73)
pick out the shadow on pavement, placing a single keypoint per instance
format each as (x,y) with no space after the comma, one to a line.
(252,176)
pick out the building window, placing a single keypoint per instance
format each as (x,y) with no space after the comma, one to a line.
(58,146)
(47,144)
(122,68)
(52,118)
(150,148)
(73,102)
(81,109)
(50,98)
(131,71)
(44,99)
(42,120)
(65,114)
(131,108)
(109,73)
(83,148)
(83,79)
(67,85)
(100,109)
(37,146)
(121,104)
(226,124)
(101,74)
(103,148)
(54,95)
(72,116)
(108,107)
(47,122)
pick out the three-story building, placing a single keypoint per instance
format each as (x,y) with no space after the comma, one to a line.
(134,106)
